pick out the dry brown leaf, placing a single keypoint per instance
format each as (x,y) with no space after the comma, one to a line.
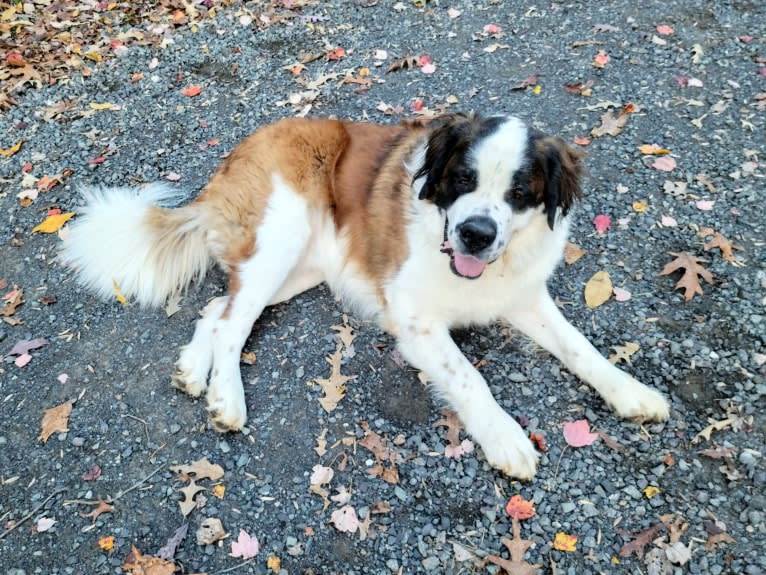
(405,63)
(719,452)
(13,300)
(137,563)
(321,447)
(55,420)
(572,253)
(689,282)
(639,540)
(201,469)
(517,547)
(598,290)
(102,507)
(624,352)
(726,246)
(345,332)
(715,425)
(334,387)
(610,441)
(190,492)
(453,425)
(613,125)
(385,456)
(210,531)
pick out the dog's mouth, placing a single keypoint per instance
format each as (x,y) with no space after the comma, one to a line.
(463,265)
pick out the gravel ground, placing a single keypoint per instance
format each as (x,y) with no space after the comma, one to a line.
(697,90)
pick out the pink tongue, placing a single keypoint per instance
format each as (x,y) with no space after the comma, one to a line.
(468,266)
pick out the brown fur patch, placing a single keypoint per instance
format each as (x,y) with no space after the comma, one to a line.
(555,177)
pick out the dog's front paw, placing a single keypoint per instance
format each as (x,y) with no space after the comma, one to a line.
(637,402)
(191,371)
(505,445)
(226,407)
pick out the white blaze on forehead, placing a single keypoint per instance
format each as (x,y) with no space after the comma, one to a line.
(498,156)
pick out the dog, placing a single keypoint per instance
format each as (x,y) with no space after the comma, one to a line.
(423,226)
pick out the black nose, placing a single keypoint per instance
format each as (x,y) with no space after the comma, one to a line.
(477,233)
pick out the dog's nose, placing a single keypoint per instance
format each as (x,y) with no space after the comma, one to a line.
(477,233)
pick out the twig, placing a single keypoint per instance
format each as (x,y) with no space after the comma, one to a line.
(235,567)
(136,485)
(31,513)
(146,426)
(556,472)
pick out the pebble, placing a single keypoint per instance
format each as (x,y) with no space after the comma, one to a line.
(431,563)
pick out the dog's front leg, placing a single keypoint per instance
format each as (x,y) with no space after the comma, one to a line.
(543,322)
(429,347)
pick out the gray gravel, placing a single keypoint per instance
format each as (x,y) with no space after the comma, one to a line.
(706,354)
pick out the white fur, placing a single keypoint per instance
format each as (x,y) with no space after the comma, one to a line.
(113,246)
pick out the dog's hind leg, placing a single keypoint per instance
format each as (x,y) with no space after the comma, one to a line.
(281,240)
(193,365)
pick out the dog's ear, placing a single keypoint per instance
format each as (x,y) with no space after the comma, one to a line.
(445,140)
(558,171)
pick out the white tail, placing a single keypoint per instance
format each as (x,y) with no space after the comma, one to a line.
(123,236)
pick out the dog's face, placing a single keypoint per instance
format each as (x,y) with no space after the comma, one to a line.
(492,176)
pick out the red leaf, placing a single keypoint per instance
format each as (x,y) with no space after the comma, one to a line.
(336,54)
(580,141)
(664,30)
(602,223)
(519,508)
(192,91)
(92,474)
(577,433)
(15,59)
(539,440)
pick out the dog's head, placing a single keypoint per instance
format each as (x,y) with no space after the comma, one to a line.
(492,176)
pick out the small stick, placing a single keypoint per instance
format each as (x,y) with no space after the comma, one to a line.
(146,426)
(31,513)
(137,485)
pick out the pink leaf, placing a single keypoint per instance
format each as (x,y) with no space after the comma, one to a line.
(682,80)
(453,12)
(321,475)
(23,360)
(664,164)
(245,546)
(62,378)
(457,451)
(602,223)
(621,294)
(345,519)
(45,523)
(429,68)
(25,345)
(705,205)
(669,221)
(491,29)
(577,433)
(664,29)
(173,177)
(746,39)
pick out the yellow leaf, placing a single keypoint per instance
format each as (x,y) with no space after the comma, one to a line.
(101,106)
(652,150)
(274,563)
(537,90)
(219,490)
(8,14)
(106,543)
(53,223)
(598,290)
(564,542)
(118,292)
(93,55)
(8,152)
(615,560)
(650,491)
(639,206)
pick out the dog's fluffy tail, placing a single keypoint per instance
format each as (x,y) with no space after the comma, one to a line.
(124,241)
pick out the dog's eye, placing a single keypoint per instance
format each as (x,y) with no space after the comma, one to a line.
(464,181)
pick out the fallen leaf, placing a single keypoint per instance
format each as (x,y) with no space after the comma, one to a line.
(664,164)
(624,352)
(705,205)
(453,12)
(93,473)
(719,452)
(210,531)
(668,221)
(601,59)
(172,177)
(580,141)
(245,546)
(664,29)
(609,441)
(321,475)
(119,296)
(726,247)
(25,345)
(428,68)
(44,523)
(650,491)
(639,206)
(191,91)
(55,420)
(565,542)
(386,456)
(100,106)
(517,548)
(101,507)
(201,469)
(168,550)
(8,152)
(189,492)
(538,440)
(173,305)
(613,125)
(621,294)
(53,223)
(639,540)
(519,508)
(334,387)
(321,447)
(139,564)
(345,519)
(578,434)
(602,222)
(456,448)
(689,281)
(22,360)
(598,289)
(653,150)
(572,253)
(219,490)
(106,543)
(405,63)
(274,563)
(715,425)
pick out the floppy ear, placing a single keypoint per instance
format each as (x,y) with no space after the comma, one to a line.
(447,133)
(560,167)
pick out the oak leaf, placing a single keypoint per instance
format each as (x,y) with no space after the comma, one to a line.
(106,543)
(726,246)
(345,519)
(624,352)
(201,469)
(168,550)
(101,507)
(517,548)
(613,125)
(55,420)
(190,491)
(689,281)
(13,299)
(334,387)
(210,531)
(386,456)
(456,448)
(639,540)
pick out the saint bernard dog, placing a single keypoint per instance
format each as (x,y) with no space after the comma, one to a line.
(423,226)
